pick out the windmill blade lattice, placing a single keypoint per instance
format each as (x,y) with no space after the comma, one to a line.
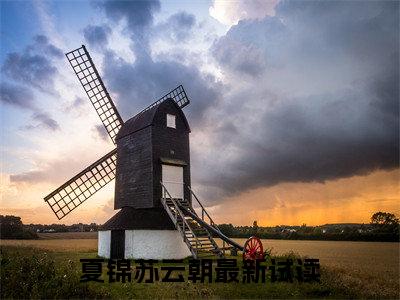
(83,185)
(178,94)
(90,79)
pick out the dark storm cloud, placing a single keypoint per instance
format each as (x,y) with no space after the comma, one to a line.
(297,142)
(33,66)
(16,95)
(43,120)
(385,90)
(97,36)
(177,27)
(326,107)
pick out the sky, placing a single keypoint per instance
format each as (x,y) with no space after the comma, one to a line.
(294,109)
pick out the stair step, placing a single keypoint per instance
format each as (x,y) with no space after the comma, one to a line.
(203,242)
(205,248)
(205,253)
(200,245)
(199,240)
(202,250)
(203,234)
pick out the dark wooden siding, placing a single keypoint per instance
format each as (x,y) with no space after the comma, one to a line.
(117,250)
(139,170)
(165,140)
(134,177)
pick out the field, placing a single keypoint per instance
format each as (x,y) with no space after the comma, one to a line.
(349,270)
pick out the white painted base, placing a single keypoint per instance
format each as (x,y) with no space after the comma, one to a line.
(104,243)
(147,244)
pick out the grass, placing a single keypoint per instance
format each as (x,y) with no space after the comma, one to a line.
(34,273)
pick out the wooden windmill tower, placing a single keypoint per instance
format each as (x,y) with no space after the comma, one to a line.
(156,219)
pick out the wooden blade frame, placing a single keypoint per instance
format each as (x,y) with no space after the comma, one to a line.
(90,79)
(82,186)
(179,96)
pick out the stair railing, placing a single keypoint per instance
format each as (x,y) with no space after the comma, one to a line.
(174,216)
(205,213)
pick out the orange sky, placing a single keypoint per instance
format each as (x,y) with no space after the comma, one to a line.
(352,199)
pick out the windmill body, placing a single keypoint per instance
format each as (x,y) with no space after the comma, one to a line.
(151,168)
(153,146)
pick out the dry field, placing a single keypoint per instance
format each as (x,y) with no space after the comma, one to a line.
(63,241)
(67,235)
(360,257)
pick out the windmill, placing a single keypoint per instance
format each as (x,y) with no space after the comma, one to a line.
(151,165)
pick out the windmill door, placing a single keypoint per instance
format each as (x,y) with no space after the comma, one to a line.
(117,244)
(172,178)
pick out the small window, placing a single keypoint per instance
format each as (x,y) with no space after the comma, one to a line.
(171,121)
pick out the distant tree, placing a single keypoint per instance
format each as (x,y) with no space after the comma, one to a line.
(11,227)
(384,218)
(254,230)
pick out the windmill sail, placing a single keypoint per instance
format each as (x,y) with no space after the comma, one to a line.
(179,96)
(82,186)
(90,79)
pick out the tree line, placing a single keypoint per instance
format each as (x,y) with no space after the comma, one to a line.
(383,227)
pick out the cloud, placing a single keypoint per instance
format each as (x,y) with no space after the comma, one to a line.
(138,85)
(34,70)
(54,171)
(16,95)
(101,132)
(30,176)
(138,16)
(325,107)
(244,59)
(319,101)
(42,42)
(33,67)
(177,27)
(97,36)
(43,120)
(230,12)
(77,103)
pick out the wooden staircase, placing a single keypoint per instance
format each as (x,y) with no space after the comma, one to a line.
(195,235)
